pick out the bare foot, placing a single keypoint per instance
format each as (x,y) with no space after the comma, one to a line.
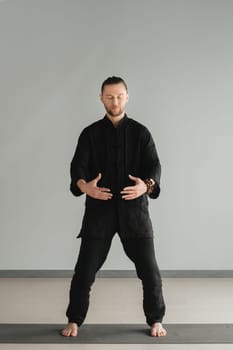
(71,330)
(157,330)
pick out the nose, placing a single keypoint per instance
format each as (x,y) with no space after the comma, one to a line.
(114,101)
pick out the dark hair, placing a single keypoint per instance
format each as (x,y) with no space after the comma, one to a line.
(111,81)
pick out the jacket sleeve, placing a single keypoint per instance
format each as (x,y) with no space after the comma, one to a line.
(150,163)
(79,167)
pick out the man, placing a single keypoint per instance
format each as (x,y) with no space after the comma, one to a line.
(116,165)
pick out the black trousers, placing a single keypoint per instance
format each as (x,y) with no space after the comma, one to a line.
(93,253)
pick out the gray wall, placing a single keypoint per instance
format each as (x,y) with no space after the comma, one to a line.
(176,57)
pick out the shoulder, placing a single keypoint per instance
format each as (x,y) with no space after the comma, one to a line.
(94,125)
(92,128)
(141,132)
(136,126)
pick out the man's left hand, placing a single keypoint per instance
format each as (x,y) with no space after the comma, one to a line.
(132,192)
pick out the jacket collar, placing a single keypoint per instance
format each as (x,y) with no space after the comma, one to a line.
(121,123)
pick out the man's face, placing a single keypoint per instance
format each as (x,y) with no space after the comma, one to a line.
(114,98)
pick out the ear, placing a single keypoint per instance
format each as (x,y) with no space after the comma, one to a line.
(101,98)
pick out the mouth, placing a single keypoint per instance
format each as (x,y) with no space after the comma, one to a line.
(115,112)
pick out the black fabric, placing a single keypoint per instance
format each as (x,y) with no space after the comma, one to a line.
(92,255)
(141,253)
(116,152)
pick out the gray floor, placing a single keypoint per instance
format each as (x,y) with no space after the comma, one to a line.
(118,301)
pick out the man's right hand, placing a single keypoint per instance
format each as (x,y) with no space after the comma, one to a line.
(92,190)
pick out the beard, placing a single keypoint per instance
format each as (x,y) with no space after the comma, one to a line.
(114,112)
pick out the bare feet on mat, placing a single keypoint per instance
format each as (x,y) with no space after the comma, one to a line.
(157,330)
(71,330)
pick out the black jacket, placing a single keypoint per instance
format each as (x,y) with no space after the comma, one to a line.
(116,152)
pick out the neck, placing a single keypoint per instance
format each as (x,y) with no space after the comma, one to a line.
(115,120)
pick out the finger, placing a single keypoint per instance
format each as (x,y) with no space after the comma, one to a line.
(105,197)
(133,177)
(103,194)
(103,189)
(96,179)
(129,197)
(128,193)
(130,188)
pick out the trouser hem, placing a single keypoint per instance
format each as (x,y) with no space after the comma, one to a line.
(156,321)
(70,320)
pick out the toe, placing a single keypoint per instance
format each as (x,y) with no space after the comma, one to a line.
(63,332)
(162,332)
(66,332)
(71,330)
(153,332)
(74,333)
(157,330)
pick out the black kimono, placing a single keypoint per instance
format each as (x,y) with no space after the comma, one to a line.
(116,152)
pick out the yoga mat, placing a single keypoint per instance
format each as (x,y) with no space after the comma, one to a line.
(116,334)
